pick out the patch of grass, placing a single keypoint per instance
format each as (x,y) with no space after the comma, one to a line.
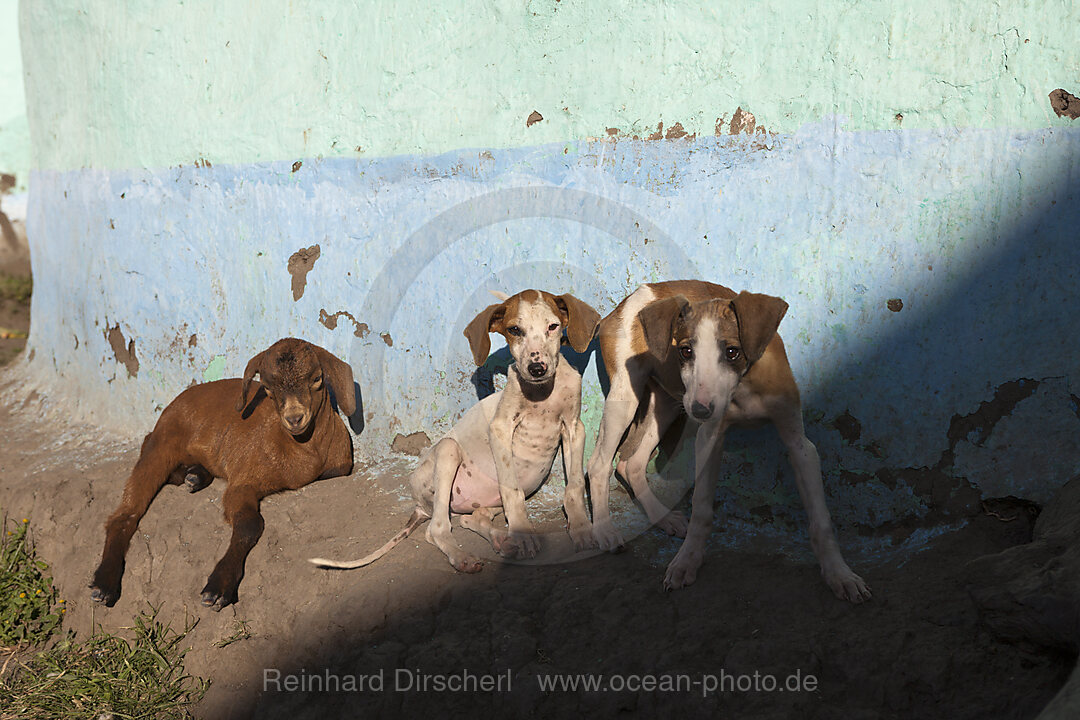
(103,676)
(106,675)
(29,610)
(16,287)
(240,632)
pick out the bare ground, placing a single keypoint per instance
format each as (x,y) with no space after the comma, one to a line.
(916,650)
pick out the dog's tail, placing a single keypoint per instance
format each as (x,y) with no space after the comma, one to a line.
(419,517)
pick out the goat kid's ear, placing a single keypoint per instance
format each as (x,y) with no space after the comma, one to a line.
(758,317)
(658,323)
(488,321)
(340,375)
(581,321)
(254,366)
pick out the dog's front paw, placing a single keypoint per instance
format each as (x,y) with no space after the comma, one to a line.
(845,584)
(607,537)
(674,523)
(582,537)
(521,544)
(683,569)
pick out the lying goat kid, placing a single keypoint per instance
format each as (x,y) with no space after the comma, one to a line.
(285,438)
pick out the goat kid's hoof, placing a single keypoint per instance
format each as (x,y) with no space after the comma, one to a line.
(216,600)
(196,482)
(102,596)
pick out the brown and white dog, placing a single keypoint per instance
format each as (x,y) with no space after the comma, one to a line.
(701,348)
(502,449)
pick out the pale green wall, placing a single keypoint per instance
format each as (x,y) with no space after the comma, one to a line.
(14,133)
(250,81)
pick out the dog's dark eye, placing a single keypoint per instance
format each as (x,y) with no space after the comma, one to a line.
(733,353)
(553,327)
(686,352)
(515,331)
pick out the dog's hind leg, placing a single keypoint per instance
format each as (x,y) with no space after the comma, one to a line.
(447,456)
(620,407)
(659,414)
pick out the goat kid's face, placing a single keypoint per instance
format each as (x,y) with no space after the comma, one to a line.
(532,323)
(294,374)
(714,342)
(297,389)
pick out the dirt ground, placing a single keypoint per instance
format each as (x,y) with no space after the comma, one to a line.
(916,650)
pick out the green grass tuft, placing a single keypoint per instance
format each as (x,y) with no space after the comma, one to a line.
(106,675)
(103,676)
(29,611)
(16,287)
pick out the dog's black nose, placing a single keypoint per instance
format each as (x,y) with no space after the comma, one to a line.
(701,412)
(537,369)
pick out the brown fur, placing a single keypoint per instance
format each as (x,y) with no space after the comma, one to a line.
(642,342)
(283,438)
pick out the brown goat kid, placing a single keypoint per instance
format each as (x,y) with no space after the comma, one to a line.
(286,437)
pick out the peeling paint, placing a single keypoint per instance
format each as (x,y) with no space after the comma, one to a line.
(849,428)
(413,444)
(125,355)
(1007,455)
(534,117)
(330,322)
(300,264)
(1065,104)
(977,426)
(742,122)
(215,370)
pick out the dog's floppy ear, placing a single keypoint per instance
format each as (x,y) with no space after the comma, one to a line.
(580,319)
(758,317)
(340,376)
(489,320)
(254,366)
(658,321)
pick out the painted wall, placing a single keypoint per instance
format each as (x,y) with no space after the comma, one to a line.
(210,177)
(14,130)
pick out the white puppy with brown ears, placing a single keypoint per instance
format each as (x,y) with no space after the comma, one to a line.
(502,449)
(701,348)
